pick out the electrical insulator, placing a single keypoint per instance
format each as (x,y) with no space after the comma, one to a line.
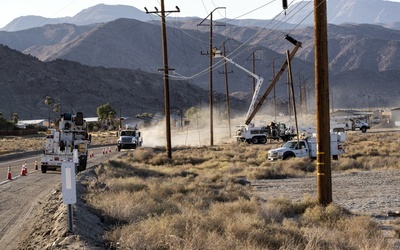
(284,4)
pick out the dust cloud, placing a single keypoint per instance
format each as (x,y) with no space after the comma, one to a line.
(197,132)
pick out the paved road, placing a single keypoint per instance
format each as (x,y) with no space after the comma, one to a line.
(21,197)
(15,162)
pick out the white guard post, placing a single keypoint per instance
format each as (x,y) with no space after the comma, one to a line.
(69,187)
(68,183)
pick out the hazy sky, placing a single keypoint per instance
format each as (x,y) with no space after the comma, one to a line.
(201,8)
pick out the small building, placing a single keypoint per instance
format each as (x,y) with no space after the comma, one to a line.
(38,122)
(396,116)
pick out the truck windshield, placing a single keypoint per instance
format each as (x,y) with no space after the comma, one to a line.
(293,144)
(127,133)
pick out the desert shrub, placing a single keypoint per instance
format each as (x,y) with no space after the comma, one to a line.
(130,184)
(347,163)
(291,208)
(143,154)
(200,199)
(319,215)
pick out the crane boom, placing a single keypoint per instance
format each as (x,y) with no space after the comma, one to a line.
(259,79)
(270,87)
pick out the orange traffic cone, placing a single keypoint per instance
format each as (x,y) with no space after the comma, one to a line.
(36,166)
(26,168)
(109,150)
(23,171)
(9,177)
(103,151)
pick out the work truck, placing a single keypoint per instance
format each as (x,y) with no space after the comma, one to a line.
(65,142)
(129,138)
(306,146)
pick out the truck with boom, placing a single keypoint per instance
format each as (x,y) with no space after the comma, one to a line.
(260,135)
(68,138)
(306,146)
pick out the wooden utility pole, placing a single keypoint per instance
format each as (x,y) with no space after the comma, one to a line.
(228,108)
(324,178)
(253,64)
(275,80)
(289,98)
(165,69)
(273,75)
(293,96)
(211,56)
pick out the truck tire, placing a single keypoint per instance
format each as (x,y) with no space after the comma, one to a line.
(82,165)
(363,129)
(43,168)
(288,155)
(263,140)
(255,140)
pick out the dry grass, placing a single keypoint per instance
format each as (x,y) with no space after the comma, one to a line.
(200,200)
(14,144)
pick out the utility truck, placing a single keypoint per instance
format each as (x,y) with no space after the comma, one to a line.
(129,138)
(351,124)
(306,146)
(68,138)
(260,135)
(249,132)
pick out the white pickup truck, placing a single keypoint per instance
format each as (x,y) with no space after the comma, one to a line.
(307,147)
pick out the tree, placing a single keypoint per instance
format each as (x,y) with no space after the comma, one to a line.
(15,118)
(105,112)
(57,108)
(48,101)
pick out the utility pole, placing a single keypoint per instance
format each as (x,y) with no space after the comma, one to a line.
(253,63)
(324,178)
(294,100)
(210,54)
(276,78)
(165,69)
(120,118)
(273,76)
(289,98)
(228,108)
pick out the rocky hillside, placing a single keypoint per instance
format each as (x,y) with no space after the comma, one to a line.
(25,81)
(359,55)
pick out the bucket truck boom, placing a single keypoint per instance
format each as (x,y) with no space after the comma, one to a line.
(259,79)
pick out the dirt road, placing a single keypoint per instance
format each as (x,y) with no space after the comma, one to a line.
(18,202)
(371,193)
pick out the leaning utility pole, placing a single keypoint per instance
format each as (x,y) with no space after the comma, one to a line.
(273,75)
(165,69)
(324,178)
(210,53)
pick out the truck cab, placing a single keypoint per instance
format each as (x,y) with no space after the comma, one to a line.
(129,138)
